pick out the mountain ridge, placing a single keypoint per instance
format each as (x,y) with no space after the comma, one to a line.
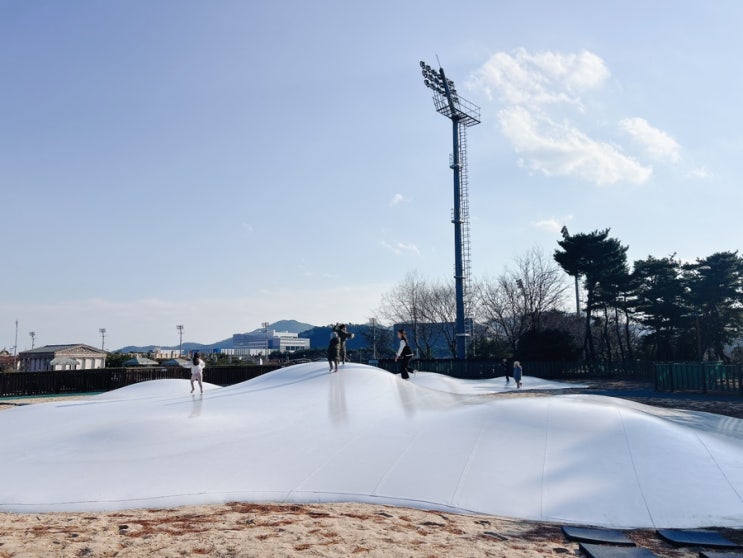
(292,326)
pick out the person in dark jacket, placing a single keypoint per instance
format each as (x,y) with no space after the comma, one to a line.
(404,353)
(343,335)
(333,351)
(506,369)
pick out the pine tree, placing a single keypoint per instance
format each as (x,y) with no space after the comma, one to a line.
(602,263)
(715,286)
(660,303)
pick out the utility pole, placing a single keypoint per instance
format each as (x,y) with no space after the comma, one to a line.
(374,336)
(179,327)
(15,347)
(265,332)
(566,235)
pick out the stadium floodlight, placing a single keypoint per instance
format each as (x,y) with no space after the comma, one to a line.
(462,114)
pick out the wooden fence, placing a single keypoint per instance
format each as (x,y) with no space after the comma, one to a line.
(106,379)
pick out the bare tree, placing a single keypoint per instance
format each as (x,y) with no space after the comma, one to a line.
(515,301)
(405,304)
(542,284)
(439,310)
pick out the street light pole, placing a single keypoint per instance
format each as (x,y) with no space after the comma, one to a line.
(179,327)
(102,331)
(462,114)
(33,338)
(265,332)
(15,348)
(374,336)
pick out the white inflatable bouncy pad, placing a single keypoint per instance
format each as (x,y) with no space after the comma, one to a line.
(302,434)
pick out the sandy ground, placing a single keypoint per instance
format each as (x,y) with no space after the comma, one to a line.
(251,530)
(329,530)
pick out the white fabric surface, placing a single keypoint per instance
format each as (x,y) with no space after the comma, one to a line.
(302,434)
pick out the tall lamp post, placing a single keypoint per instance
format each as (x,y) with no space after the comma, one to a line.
(102,331)
(33,338)
(462,114)
(179,327)
(15,347)
(566,235)
(265,332)
(374,336)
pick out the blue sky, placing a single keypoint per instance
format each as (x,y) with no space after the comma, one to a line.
(219,164)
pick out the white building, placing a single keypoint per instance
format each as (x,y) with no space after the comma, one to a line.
(262,342)
(62,357)
(158,353)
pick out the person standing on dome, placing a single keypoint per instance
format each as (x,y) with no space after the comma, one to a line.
(197,371)
(333,351)
(405,353)
(343,336)
(517,373)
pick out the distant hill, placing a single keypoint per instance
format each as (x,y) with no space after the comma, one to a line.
(149,348)
(292,326)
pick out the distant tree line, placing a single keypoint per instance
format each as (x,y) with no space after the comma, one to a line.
(683,311)
(659,309)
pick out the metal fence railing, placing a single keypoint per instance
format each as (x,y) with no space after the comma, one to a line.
(685,376)
(705,377)
(480,369)
(106,379)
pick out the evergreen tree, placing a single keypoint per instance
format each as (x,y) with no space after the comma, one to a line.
(715,286)
(660,304)
(602,262)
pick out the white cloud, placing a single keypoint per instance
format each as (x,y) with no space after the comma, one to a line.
(551,225)
(658,144)
(247,227)
(540,78)
(307,272)
(700,172)
(396,199)
(400,248)
(544,96)
(561,149)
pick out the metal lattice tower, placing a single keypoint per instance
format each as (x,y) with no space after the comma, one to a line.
(465,215)
(462,114)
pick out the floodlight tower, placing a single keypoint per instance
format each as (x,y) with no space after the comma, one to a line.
(462,114)
(102,331)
